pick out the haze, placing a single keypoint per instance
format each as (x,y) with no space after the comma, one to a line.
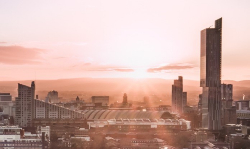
(118,39)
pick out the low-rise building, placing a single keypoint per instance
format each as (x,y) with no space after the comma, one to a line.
(83,142)
(7,106)
(15,137)
(154,143)
(136,143)
(46,130)
(103,100)
(140,125)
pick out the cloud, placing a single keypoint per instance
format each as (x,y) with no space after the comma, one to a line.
(71,43)
(169,67)
(124,70)
(17,55)
(113,69)
(87,66)
(82,65)
(2,42)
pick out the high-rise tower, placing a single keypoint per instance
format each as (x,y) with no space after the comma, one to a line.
(210,76)
(179,98)
(24,105)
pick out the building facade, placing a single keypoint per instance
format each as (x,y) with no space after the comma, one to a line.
(179,98)
(184,99)
(140,125)
(29,108)
(228,111)
(15,137)
(24,105)
(243,112)
(7,106)
(48,110)
(210,76)
(104,100)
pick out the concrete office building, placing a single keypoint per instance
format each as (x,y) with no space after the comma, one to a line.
(24,105)
(5,97)
(103,100)
(243,112)
(243,105)
(210,76)
(179,98)
(7,106)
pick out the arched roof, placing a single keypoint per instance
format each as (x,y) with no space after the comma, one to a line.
(92,115)
(122,114)
(104,115)
(98,115)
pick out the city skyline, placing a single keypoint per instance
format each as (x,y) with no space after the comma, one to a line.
(87,39)
(124,74)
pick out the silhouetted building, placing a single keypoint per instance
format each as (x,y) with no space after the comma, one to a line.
(103,100)
(24,105)
(179,98)
(228,111)
(124,105)
(125,99)
(77,99)
(53,97)
(210,76)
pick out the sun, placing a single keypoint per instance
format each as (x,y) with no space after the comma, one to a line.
(139,74)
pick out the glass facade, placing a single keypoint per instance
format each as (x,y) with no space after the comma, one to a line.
(210,76)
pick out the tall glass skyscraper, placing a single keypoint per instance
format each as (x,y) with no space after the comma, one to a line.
(210,76)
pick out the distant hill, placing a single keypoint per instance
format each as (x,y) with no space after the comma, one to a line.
(158,90)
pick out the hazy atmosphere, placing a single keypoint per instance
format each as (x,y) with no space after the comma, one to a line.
(125,74)
(118,38)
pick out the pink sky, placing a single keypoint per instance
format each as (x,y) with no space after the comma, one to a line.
(119,38)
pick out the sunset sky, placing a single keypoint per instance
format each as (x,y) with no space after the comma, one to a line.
(54,39)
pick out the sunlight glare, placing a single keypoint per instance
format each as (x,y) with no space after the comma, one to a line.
(139,74)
